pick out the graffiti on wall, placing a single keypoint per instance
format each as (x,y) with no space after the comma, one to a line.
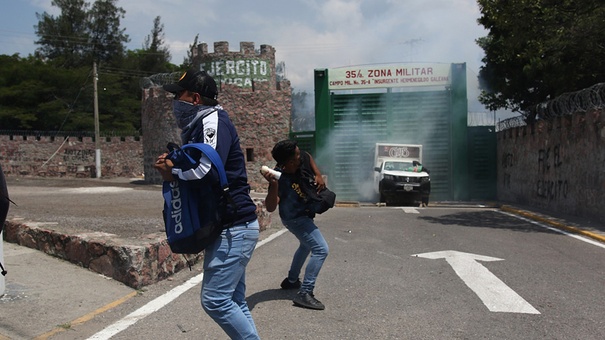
(242,72)
(551,187)
(78,156)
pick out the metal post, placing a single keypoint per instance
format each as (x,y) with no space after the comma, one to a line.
(96,108)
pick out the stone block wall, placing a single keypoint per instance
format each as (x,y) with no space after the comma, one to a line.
(136,263)
(48,156)
(557,165)
(258,105)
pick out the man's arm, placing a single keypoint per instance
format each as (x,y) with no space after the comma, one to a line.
(318,178)
(272,199)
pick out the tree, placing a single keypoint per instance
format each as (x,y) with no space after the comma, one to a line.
(106,37)
(538,49)
(188,60)
(81,34)
(155,56)
(35,95)
(64,38)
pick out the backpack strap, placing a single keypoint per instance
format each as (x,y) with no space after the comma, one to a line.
(216,160)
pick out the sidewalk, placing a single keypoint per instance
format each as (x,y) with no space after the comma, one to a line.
(572,224)
(111,226)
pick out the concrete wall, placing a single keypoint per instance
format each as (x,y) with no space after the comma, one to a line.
(556,165)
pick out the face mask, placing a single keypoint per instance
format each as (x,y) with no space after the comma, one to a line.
(184,112)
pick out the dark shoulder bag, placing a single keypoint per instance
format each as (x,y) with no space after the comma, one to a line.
(320,201)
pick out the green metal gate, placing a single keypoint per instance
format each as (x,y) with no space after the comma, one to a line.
(360,121)
(348,125)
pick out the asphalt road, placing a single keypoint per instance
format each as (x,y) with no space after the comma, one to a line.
(123,207)
(387,277)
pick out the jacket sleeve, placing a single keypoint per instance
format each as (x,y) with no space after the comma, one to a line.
(210,137)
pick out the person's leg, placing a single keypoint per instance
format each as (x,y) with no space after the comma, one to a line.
(239,296)
(319,252)
(300,256)
(223,287)
(312,241)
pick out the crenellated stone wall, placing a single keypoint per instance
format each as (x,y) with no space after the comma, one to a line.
(47,156)
(258,105)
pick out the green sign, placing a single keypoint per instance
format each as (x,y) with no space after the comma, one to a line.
(241,72)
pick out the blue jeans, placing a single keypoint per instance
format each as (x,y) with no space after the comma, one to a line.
(224,284)
(311,241)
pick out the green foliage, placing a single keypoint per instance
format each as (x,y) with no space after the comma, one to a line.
(188,60)
(106,37)
(53,90)
(37,96)
(64,39)
(538,49)
(155,55)
(82,33)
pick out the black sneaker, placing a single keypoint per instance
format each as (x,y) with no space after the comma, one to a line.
(307,300)
(286,284)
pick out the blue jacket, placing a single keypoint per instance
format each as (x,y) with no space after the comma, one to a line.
(216,129)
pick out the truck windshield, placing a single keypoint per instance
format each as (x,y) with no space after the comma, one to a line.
(397,166)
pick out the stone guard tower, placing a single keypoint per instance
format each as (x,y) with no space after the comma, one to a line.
(258,105)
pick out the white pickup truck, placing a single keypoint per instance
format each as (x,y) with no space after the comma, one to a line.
(399,176)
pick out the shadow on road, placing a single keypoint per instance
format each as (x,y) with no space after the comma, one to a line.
(485,219)
(270,295)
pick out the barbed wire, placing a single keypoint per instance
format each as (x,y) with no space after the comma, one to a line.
(584,100)
(160,79)
(590,98)
(511,123)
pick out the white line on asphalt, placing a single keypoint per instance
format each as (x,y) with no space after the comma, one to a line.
(161,301)
(578,237)
(410,210)
(393,256)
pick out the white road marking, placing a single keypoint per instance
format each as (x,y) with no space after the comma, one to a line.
(410,210)
(560,231)
(393,256)
(494,293)
(95,190)
(163,300)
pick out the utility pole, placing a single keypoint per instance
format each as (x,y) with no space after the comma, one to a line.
(96,108)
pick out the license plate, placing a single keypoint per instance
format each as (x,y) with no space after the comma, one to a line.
(407,187)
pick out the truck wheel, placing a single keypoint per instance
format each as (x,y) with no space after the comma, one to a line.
(382,198)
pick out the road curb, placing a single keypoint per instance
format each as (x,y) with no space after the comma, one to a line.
(136,263)
(556,224)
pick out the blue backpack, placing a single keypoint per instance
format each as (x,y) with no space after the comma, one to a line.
(195,212)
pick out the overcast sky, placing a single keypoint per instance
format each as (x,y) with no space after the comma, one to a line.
(306,34)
